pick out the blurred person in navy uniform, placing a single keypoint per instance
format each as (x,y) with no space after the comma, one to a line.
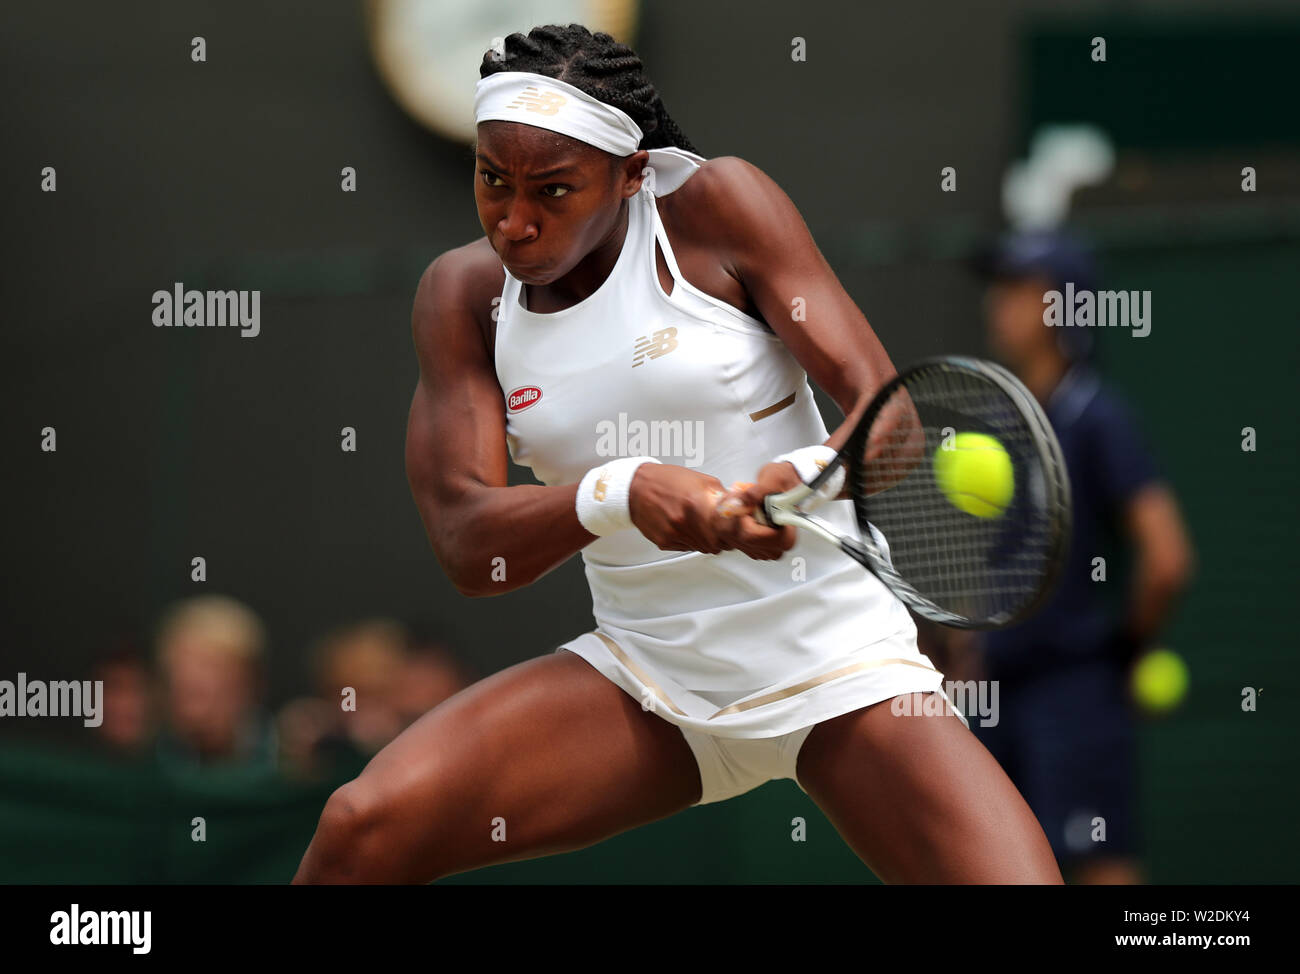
(1066,727)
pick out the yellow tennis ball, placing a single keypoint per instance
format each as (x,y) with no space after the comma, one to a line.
(974,471)
(1160,680)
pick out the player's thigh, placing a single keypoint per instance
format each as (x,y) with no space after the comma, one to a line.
(1107,871)
(545,756)
(920,800)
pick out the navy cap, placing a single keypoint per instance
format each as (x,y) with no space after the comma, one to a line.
(1057,255)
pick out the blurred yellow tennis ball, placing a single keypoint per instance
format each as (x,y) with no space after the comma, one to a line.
(974,471)
(1160,680)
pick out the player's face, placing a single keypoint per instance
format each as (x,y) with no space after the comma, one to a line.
(545,200)
(1013,311)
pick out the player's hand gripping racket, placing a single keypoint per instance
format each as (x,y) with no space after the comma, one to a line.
(960,492)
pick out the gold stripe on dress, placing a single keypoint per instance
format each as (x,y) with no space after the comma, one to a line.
(622,657)
(776,407)
(798,688)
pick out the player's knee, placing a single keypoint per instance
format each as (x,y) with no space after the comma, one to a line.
(353,811)
(349,829)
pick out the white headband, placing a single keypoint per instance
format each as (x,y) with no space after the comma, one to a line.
(548,103)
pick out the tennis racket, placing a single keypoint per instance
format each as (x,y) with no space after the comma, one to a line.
(981,570)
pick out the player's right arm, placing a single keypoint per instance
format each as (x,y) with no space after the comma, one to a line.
(456,462)
(456,457)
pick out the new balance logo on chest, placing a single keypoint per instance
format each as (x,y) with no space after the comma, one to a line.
(660,343)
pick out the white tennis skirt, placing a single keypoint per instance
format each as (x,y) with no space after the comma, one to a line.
(863,675)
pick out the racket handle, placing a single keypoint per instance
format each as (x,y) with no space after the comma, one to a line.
(731,507)
(761,512)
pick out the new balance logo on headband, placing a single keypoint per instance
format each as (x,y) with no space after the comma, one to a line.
(534,99)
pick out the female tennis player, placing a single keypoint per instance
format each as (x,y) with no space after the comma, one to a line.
(638,325)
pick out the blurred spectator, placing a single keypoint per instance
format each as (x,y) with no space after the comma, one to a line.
(373,680)
(359,670)
(211,665)
(358,675)
(430,674)
(128,718)
(312,744)
(1066,727)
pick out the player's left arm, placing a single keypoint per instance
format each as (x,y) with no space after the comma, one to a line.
(767,246)
(1163,559)
(1123,469)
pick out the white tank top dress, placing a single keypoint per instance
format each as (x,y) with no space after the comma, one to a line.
(722,644)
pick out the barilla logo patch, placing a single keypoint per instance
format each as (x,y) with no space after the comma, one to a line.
(523,397)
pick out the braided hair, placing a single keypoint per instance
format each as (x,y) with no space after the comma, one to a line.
(597,64)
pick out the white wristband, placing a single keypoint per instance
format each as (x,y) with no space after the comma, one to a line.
(808,462)
(602,501)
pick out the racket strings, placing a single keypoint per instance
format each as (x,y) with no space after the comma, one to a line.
(980,557)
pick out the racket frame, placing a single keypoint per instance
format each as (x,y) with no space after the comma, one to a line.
(782,508)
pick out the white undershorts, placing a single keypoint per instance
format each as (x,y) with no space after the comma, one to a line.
(731,765)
